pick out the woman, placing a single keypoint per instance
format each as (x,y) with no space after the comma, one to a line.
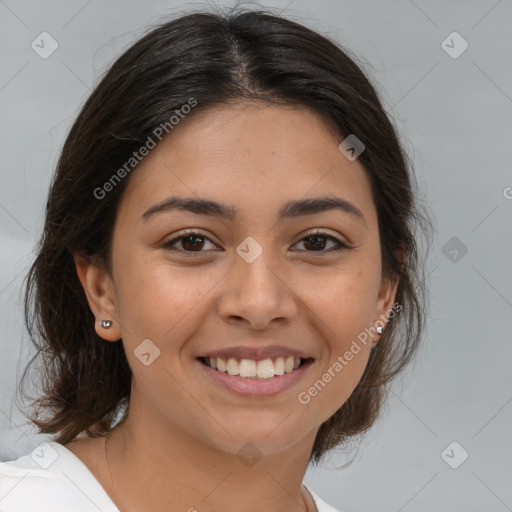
(228,276)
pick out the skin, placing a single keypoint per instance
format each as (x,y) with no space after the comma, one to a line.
(180,440)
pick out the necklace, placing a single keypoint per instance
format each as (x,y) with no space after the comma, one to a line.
(107,437)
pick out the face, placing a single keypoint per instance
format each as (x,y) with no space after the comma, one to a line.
(261,272)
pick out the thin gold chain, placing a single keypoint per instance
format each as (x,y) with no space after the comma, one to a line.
(110,471)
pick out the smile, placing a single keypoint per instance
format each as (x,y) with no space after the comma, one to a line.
(250,368)
(253,378)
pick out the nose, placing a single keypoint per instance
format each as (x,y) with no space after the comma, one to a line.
(257,294)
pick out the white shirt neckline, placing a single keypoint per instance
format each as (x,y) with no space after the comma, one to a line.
(75,471)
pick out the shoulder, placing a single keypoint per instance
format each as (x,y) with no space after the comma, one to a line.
(49,479)
(321,505)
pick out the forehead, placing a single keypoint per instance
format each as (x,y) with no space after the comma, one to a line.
(254,156)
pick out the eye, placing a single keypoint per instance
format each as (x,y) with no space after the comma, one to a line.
(317,242)
(192,241)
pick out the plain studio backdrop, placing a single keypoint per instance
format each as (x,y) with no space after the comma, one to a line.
(444,72)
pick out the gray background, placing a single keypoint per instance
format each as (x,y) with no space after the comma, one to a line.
(454,115)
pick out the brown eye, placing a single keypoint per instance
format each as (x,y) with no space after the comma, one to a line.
(317,242)
(192,243)
(189,242)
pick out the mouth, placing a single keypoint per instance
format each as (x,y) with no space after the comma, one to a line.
(256,370)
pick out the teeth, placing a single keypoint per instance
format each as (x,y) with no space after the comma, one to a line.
(219,363)
(233,367)
(247,368)
(279,366)
(265,369)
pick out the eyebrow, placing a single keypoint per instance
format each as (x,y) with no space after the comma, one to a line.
(291,209)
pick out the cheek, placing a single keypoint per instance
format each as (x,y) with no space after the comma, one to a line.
(160,301)
(336,376)
(345,301)
(333,388)
(345,306)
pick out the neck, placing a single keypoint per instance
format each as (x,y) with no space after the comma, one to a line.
(180,472)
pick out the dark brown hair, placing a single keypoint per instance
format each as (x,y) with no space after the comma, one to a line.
(214,58)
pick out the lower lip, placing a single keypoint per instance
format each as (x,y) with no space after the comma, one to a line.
(256,388)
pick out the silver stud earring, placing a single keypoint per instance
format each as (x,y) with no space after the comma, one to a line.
(105,323)
(379,329)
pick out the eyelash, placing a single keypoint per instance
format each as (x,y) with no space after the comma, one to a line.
(340,246)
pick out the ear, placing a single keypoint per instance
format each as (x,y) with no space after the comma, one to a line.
(99,290)
(386,296)
(386,299)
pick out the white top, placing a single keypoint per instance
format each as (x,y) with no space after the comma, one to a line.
(54,479)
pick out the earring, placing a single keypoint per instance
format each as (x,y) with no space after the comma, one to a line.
(379,329)
(105,323)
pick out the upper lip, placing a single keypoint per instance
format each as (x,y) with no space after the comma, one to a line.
(256,353)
